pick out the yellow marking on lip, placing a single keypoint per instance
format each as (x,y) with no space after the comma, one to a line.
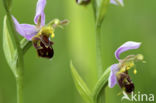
(135,71)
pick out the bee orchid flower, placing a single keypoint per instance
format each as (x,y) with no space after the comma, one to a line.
(119,72)
(40,34)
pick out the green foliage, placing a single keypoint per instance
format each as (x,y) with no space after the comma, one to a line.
(134,22)
(80,84)
(99,9)
(101,83)
(84,90)
(8,47)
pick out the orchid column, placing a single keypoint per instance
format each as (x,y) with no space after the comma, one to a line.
(40,35)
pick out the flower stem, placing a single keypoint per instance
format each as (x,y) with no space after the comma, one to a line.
(20,67)
(19,83)
(99,50)
(19,77)
(19,64)
(99,13)
(101,98)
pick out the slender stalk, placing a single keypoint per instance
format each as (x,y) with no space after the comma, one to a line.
(19,67)
(99,51)
(101,98)
(99,13)
(19,84)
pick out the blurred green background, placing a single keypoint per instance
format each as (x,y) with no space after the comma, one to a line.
(50,81)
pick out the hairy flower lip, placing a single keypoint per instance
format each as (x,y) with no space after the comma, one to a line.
(125,82)
(43,46)
(45,52)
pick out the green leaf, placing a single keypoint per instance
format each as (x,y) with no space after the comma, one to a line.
(8,47)
(81,85)
(101,83)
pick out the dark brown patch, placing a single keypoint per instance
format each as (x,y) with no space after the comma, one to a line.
(45,52)
(125,82)
(129,88)
(43,46)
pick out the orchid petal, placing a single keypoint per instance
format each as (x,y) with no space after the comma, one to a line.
(112,81)
(125,47)
(40,12)
(26,30)
(117,2)
(30,31)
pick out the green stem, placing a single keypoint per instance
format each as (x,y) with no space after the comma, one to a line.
(99,50)
(19,83)
(20,67)
(99,12)
(101,98)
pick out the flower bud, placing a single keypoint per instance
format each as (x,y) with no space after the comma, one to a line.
(83,2)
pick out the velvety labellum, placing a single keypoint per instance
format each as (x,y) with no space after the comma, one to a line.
(125,82)
(43,46)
